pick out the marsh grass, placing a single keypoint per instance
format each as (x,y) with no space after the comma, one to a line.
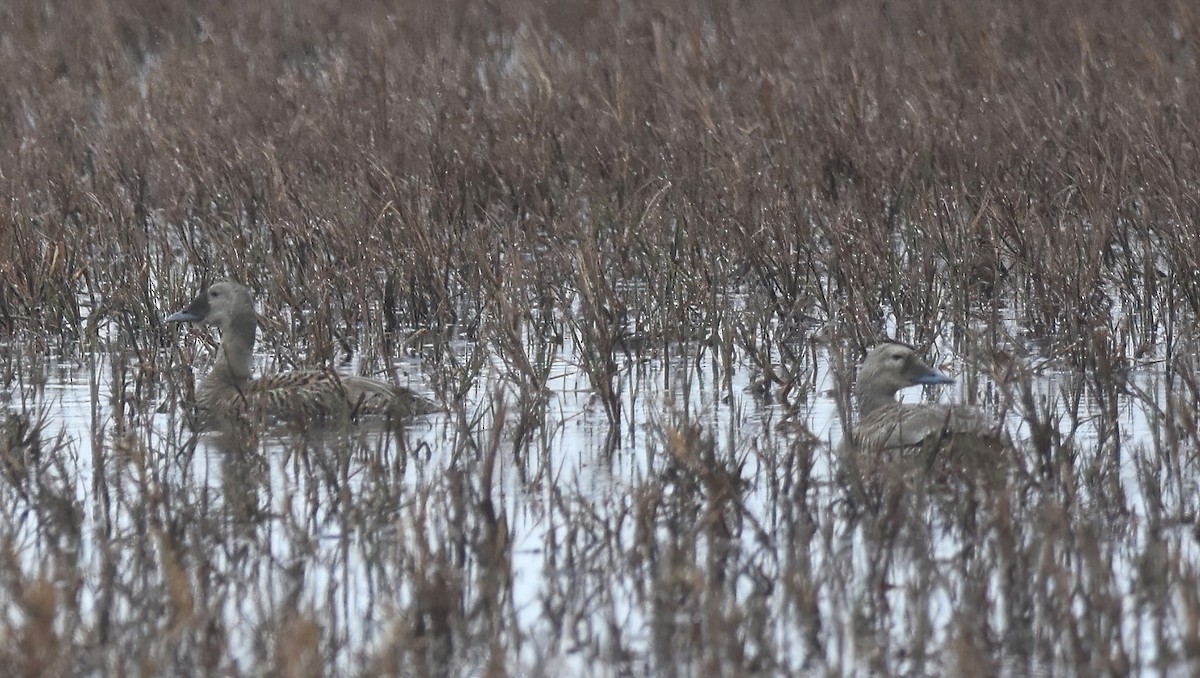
(636,251)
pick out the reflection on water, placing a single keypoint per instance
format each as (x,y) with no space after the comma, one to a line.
(712,531)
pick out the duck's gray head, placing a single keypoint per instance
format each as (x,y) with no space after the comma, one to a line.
(891,367)
(224,304)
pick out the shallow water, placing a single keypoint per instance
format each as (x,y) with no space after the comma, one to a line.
(710,529)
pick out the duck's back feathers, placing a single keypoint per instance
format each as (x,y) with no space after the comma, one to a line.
(898,425)
(307,397)
(371,396)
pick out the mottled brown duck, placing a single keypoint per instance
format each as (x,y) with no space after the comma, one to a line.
(231,394)
(885,424)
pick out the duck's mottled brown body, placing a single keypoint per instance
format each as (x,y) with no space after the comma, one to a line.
(910,426)
(307,396)
(230,394)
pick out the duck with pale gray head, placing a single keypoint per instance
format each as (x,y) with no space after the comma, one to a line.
(231,394)
(884,424)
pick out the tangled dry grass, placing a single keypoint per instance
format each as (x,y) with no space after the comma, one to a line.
(677,222)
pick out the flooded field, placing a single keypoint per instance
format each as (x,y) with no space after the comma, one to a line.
(471,542)
(635,254)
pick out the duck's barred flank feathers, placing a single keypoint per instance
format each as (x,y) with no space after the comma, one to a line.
(304,396)
(886,424)
(230,397)
(899,426)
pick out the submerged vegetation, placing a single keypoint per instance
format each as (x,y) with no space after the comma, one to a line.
(636,252)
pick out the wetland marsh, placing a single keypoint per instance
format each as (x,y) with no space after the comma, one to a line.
(635,251)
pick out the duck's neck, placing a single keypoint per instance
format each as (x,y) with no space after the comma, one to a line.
(232,367)
(869,401)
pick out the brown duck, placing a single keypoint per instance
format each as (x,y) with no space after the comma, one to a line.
(884,423)
(230,393)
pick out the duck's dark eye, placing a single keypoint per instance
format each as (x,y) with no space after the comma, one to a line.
(214,294)
(897,357)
